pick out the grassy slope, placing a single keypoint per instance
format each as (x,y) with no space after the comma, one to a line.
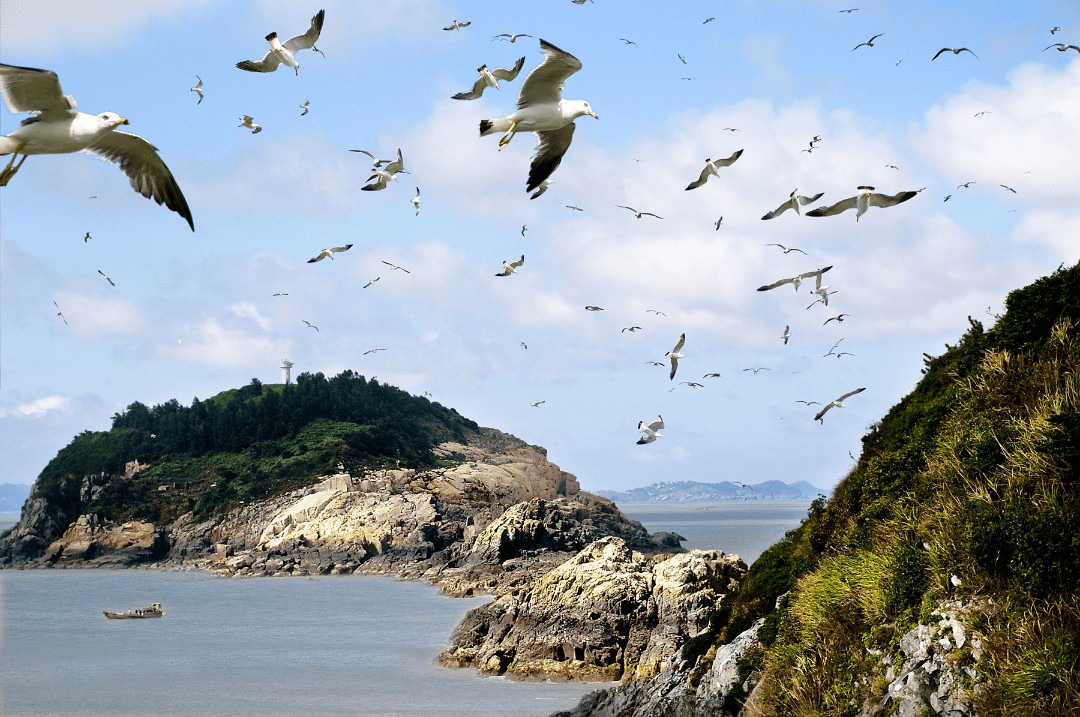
(974,475)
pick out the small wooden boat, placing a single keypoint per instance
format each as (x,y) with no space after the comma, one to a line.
(136,614)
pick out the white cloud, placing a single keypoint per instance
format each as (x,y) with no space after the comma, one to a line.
(37,408)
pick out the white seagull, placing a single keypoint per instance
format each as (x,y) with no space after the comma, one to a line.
(490,78)
(511,268)
(394,268)
(787,250)
(797,280)
(59,312)
(838,403)
(637,213)
(674,355)
(198,88)
(513,38)
(793,203)
(249,122)
(284,53)
(372,281)
(329,253)
(306,106)
(542,109)
(711,167)
(786,335)
(957,51)
(56,127)
(106,278)
(1062,47)
(650,430)
(537,404)
(458,25)
(416,201)
(865,199)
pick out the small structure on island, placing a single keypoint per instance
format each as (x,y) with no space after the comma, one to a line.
(286,364)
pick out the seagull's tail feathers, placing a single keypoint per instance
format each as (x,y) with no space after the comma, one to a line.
(492,126)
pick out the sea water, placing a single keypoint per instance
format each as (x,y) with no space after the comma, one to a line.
(277,647)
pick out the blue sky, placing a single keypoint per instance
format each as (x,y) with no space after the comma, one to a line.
(193,314)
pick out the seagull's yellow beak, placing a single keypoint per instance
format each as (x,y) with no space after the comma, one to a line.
(594,114)
(123,121)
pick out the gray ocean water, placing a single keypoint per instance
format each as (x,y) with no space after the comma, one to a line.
(278,647)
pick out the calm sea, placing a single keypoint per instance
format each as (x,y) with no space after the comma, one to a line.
(276,647)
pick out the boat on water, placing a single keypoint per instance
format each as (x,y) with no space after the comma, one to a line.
(138,613)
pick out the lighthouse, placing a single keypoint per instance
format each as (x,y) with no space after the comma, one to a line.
(286,364)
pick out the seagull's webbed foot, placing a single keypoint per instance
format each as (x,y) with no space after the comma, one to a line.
(12,168)
(505,139)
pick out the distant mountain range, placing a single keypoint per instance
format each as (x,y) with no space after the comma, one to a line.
(688,491)
(12,497)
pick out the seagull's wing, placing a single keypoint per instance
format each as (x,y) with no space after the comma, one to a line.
(26,89)
(729,161)
(789,204)
(309,38)
(504,74)
(398,165)
(544,84)
(944,49)
(704,177)
(149,176)
(846,395)
(842,206)
(322,255)
(364,151)
(341,248)
(269,63)
(674,367)
(886,200)
(776,284)
(519,262)
(477,90)
(963,49)
(657,425)
(823,411)
(553,145)
(810,200)
(682,340)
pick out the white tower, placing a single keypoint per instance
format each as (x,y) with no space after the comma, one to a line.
(286,364)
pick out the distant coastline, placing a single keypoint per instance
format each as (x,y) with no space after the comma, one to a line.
(688,491)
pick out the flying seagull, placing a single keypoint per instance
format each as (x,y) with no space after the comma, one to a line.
(394,268)
(198,88)
(86,238)
(541,109)
(568,206)
(692,384)
(631,329)
(839,318)
(711,166)
(1009,188)
(511,268)
(523,345)
(639,214)
(537,404)
(593,308)
(59,312)
(838,403)
(372,281)
(984,112)
(306,106)
(56,127)
(967,185)
(378,162)
(654,311)
(718,223)
(681,58)
(249,122)
(786,249)
(892,166)
(797,280)
(655,363)
(868,43)
(329,253)
(489,78)
(865,199)
(832,349)
(850,11)
(674,355)
(808,403)
(628,42)
(416,203)
(650,430)
(310,324)
(382,178)
(458,25)
(513,38)
(280,293)
(711,375)
(106,278)
(755,370)
(795,200)
(372,351)
(1054,29)
(284,53)
(957,51)
(786,335)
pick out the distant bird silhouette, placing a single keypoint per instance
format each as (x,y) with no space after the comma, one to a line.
(310,324)
(674,355)
(639,214)
(106,278)
(513,38)
(1062,48)
(1009,188)
(458,25)
(838,403)
(371,282)
(868,43)
(631,329)
(957,51)
(593,308)
(87,237)
(718,223)
(198,88)
(839,318)
(60,313)
(395,268)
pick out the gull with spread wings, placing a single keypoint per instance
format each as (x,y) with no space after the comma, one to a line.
(490,78)
(56,127)
(674,355)
(542,110)
(838,403)
(711,167)
(797,280)
(329,253)
(792,203)
(284,53)
(651,430)
(865,199)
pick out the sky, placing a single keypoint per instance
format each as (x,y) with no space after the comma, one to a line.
(193,314)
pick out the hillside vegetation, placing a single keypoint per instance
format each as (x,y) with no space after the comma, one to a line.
(966,489)
(244,444)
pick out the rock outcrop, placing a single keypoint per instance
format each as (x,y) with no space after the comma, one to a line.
(607,612)
(91,541)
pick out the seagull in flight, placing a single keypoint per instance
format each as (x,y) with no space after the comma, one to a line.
(984,112)
(329,253)
(628,42)
(674,355)
(850,11)
(682,58)
(393,267)
(593,308)
(797,280)
(631,329)
(711,375)
(786,249)
(711,167)
(639,214)
(372,351)
(655,363)
(198,88)
(542,110)
(513,38)
(371,282)
(654,311)
(568,206)
(1054,29)
(795,199)
(865,199)
(838,318)
(692,384)
(868,43)
(957,51)
(458,25)
(416,203)
(56,127)
(106,278)
(249,122)
(1009,188)
(284,53)
(743,485)
(511,268)
(832,349)
(86,238)
(755,370)
(967,184)
(838,403)
(718,223)
(281,293)
(310,324)
(490,78)
(306,106)
(523,345)
(378,162)
(709,20)
(537,404)
(651,430)
(808,403)
(60,313)
(786,335)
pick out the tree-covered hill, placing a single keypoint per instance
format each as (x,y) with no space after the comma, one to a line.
(966,490)
(242,444)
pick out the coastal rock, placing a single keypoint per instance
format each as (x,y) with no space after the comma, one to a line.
(606,612)
(90,540)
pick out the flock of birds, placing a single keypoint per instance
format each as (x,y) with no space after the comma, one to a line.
(56,127)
